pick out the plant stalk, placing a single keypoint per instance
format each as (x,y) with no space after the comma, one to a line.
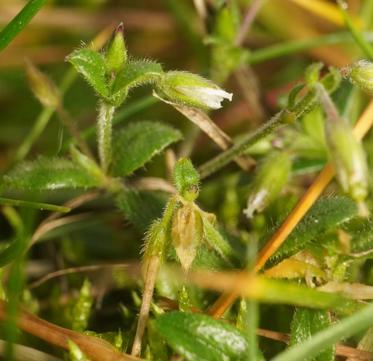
(104,134)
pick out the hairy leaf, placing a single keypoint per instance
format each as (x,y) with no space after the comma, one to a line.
(48,174)
(305,323)
(91,65)
(201,338)
(134,74)
(325,215)
(138,143)
(360,231)
(140,208)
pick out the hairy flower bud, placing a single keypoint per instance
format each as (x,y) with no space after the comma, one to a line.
(192,90)
(116,55)
(186,179)
(361,74)
(42,87)
(269,180)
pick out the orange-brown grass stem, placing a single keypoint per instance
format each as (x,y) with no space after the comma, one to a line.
(94,348)
(304,204)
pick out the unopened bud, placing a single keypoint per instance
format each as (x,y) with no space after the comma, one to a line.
(361,74)
(269,180)
(186,179)
(192,90)
(346,152)
(187,233)
(116,55)
(349,159)
(42,87)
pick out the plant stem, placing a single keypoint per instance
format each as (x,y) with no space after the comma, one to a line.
(96,349)
(104,134)
(359,321)
(304,204)
(241,146)
(250,15)
(356,34)
(38,205)
(150,278)
(19,22)
(290,47)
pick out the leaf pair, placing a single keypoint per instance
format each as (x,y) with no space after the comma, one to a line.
(92,65)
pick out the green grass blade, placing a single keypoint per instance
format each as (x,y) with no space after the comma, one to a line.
(18,23)
(37,205)
(347,327)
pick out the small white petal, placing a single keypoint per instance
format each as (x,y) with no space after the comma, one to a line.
(210,97)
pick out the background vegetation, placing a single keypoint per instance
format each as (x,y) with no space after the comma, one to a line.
(88,230)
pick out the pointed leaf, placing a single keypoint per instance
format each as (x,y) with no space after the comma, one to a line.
(135,73)
(305,323)
(139,143)
(201,338)
(48,173)
(325,215)
(91,65)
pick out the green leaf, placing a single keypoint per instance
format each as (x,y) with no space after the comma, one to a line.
(134,74)
(325,215)
(138,143)
(91,65)
(48,174)
(360,231)
(201,338)
(305,323)
(140,208)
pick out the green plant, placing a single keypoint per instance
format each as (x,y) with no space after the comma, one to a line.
(196,225)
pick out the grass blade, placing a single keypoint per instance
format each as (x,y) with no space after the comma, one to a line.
(19,22)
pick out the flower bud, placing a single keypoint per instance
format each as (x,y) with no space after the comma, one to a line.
(116,55)
(349,159)
(192,90)
(361,74)
(269,180)
(42,87)
(187,233)
(346,152)
(186,179)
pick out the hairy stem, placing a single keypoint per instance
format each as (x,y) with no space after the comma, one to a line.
(150,278)
(104,134)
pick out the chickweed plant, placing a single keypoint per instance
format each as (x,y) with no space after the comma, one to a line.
(256,246)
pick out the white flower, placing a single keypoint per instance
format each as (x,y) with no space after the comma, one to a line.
(210,97)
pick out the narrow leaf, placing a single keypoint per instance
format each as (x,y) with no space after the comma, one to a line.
(138,143)
(201,338)
(18,23)
(48,173)
(91,65)
(30,204)
(359,321)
